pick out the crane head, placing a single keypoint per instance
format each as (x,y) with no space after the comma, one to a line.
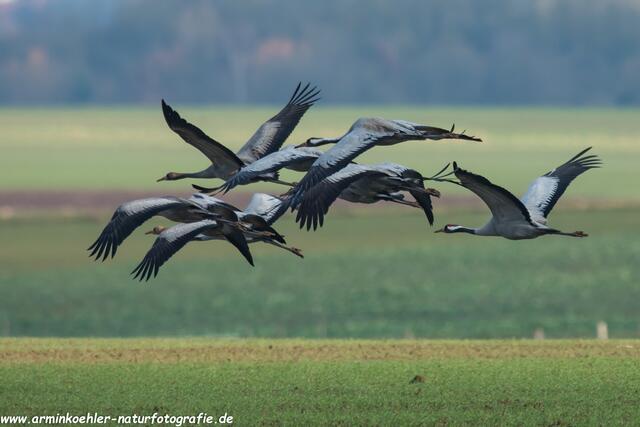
(171,176)
(156,230)
(316,142)
(449,228)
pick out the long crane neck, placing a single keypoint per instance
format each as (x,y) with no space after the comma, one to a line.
(202,174)
(316,142)
(468,230)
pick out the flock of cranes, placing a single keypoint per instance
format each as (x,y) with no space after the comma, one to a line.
(330,175)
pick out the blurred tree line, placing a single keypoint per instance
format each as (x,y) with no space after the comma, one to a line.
(581,52)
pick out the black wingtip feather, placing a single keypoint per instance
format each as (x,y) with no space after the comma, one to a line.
(295,93)
(136,271)
(579,154)
(171,116)
(299,92)
(202,189)
(304,96)
(308,99)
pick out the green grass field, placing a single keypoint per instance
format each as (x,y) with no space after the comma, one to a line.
(302,382)
(366,274)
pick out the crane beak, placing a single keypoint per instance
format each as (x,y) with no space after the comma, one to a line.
(439,231)
(164,178)
(432,192)
(304,144)
(149,232)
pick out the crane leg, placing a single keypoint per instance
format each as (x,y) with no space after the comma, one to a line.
(295,251)
(430,191)
(574,234)
(406,202)
(289,184)
(289,192)
(399,201)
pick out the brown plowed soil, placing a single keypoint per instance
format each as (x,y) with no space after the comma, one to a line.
(99,202)
(26,350)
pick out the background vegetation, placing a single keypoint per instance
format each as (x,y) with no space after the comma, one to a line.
(561,52)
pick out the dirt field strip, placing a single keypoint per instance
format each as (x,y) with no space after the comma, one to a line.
(28,350)
(75,203)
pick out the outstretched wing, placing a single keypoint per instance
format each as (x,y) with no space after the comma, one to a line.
(424,200)
(504,206)
(544,191)
(271,163)
(221,209)
(413,182)
(317,200)
(237,239)
(436,133)
(363,135)
(266,206)
(217,153)
(273,133)
(166,245)
(125,219)
(337,157)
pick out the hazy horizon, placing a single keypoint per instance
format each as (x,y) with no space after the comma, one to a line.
(426,53)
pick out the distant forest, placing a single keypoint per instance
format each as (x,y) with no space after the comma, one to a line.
(443,52)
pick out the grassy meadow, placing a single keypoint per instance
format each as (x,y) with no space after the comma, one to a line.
(382,274)
(302,382)
(107,148)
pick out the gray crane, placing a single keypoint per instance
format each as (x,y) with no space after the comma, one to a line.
(258,216)
(365,184)
(268,138)
(364,134)
(298,159)
(171,240)
(524,218)
(261,213)
(131,215)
